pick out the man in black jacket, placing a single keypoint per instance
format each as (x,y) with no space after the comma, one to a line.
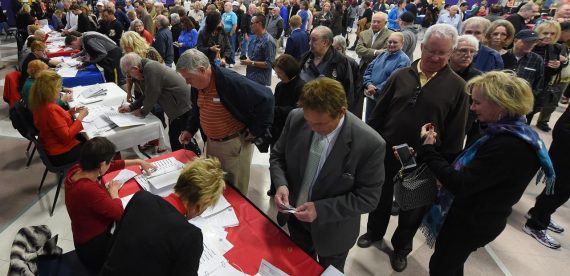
(163,40)
(114,28)
(324,60)
(526,12)
(231,110)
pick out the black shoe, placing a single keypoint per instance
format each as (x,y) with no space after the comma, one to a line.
(395,209)
(366,240)
(543,127)
(242,58)
(399,262)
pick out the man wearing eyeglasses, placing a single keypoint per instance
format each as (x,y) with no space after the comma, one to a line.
(260,53)
(426,92)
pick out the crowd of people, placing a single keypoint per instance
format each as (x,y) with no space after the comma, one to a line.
(464,106)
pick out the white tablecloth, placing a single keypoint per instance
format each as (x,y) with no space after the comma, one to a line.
(126,137)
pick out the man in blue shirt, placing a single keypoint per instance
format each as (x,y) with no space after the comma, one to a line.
(304,14)
(382,67)
(260,53)
(230,26)
(452,18)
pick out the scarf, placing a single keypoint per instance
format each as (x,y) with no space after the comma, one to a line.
(434,219)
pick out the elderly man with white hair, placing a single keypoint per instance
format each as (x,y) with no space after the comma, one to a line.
(461,60)
(452,18)
(163,40)
(162,86)
(427,91)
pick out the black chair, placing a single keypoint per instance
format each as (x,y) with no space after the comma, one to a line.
(25,125)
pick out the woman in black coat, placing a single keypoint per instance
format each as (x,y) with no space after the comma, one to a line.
(489,177)
(213,40)
(287,93)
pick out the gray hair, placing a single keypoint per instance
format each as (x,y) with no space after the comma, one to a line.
(477,20)
(469,39)
(129,61)
(340,42)
(175,18)
(527,7)
(325,33)
(135,22)
(441,31)
(162,21)
(192,60)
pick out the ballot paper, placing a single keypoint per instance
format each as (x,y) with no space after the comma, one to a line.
(124,119)
(212,262)
(124,176)
(93,90)
(165,175)
(221,205)
(67,72)
(267,269)
(225,219)
(72,62)
(125,200)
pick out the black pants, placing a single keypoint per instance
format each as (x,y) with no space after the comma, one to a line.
(175,127)
(559,153)
(301,235)
(93,253)
(456,241)
(408,221)
(71,156)
(111,67)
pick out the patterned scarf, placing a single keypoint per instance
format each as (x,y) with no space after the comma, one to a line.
(434,219)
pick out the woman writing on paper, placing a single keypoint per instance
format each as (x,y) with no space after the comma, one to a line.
(58,131)
(154,236)
(92,205)
(489,177)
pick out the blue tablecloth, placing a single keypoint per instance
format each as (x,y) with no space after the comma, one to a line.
(88,76)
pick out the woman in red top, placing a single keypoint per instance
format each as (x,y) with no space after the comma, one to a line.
(93,206)
(58,130)
(138,27)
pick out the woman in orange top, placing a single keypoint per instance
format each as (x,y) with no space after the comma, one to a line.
(58,130)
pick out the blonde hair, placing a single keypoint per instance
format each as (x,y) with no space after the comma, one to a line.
(201,182)
(136,42)
(36,66)
(506,90)
(550,24)
(45,89)
(37,45)
(500,23)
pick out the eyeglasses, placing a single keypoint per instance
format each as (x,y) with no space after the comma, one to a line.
(466,52)
(433,53)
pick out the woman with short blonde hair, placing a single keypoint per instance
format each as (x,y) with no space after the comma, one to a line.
(479,189)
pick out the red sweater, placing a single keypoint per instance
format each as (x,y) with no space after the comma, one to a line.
(148,37)
(57,128)
(91,209)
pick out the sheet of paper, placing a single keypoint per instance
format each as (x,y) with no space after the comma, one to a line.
(70,61)
(220,206)
(164,180)
(124,119)
(267,269)
(67,72)
(165,166)
(332,271)
(224,219)
(125,200)
(124,176)
(211,261)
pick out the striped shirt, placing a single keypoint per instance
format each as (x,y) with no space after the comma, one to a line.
(216,121)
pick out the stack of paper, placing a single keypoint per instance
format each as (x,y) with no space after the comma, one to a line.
(69,72)
(94,91)
(124,119)
(212,262)
(220,215)
(165,175)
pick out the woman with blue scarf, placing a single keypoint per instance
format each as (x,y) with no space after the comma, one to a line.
(488,178)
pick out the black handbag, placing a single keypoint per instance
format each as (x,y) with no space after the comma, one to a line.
(415,188)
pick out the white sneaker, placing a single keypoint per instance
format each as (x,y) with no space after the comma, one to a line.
(552,225)
(231,66)
(542,237)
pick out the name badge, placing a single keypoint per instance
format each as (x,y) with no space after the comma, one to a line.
(530,69)
(216,100)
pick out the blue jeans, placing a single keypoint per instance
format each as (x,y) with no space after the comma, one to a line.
(245,44)
(233,41)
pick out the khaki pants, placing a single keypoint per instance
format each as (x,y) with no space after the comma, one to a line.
(235,155)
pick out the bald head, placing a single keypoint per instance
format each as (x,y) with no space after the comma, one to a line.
(379,20)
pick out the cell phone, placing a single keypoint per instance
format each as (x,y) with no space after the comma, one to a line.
(406,158)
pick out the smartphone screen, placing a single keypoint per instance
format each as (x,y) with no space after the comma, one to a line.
(406,158)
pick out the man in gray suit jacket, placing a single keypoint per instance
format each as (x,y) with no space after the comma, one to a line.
(329,164)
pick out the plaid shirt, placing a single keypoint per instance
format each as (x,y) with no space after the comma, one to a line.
(531,68)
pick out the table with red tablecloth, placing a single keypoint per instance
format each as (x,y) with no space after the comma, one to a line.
(62,53)
(256,237)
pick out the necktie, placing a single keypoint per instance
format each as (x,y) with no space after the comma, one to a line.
(315,152)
